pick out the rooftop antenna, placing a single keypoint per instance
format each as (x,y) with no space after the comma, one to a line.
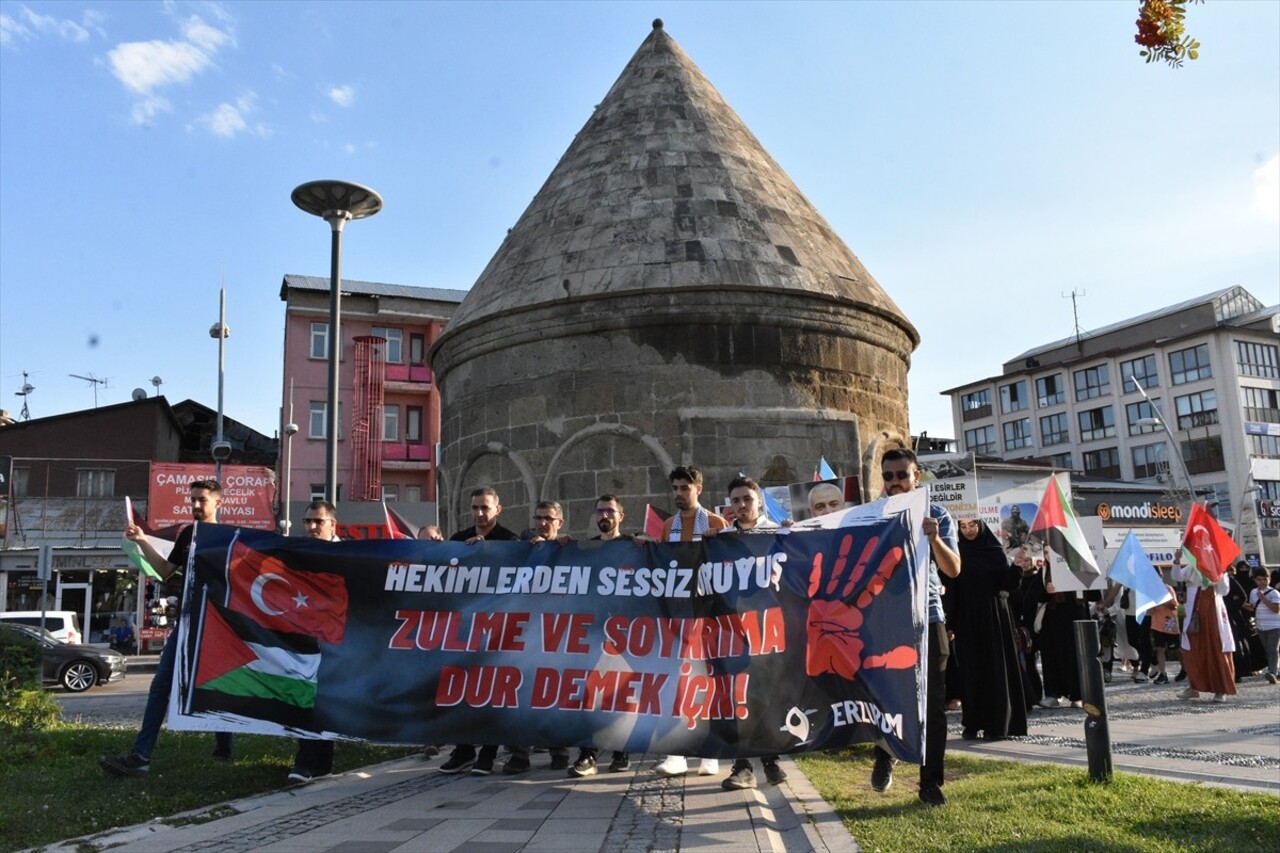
(157,381)
(94,381)
(27,388)
(1075,318)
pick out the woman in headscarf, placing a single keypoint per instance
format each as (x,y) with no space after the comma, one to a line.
(1207,642)
(984,627)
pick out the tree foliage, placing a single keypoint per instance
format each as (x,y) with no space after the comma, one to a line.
(1163,34)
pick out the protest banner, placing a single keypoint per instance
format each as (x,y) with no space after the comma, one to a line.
(734,646)
(952,482)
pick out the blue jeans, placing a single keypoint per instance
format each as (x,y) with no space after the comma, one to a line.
(158,702)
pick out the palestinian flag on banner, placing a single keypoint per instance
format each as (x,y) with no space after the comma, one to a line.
(1206,546)
(239,658)
(1056,524)
(397,527)
(653,521)
(264,589)
(162,540)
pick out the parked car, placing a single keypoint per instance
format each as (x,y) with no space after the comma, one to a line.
(63,624)
(75,667)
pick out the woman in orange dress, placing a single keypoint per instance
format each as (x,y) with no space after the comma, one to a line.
(1207,641)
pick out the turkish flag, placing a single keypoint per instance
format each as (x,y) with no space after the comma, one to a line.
(277,597)
(1210,549)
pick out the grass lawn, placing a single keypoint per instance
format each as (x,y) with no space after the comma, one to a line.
(54,790)
(1009,806)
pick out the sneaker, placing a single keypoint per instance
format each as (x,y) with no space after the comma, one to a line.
(1064,702)
(1189,693)
(740,778)
(1106,678)
(621,763)
(1271,679)
(125,764)
(1181,676)
(1077,704)
(302,777)
(882,773)
(515,764)
(709,767)
(1162,678)
(931,795)
(1140,678)
(773,774)
(1219,698)
(672,765)
(560,761)
(430,752)
(1049,702)
(584,766)
(461,758)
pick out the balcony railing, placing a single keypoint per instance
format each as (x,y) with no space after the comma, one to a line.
(977,412)
(409,373)
(406,452)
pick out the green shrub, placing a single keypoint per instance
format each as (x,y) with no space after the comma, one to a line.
(24,706)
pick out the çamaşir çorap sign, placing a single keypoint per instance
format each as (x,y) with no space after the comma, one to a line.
(248,494)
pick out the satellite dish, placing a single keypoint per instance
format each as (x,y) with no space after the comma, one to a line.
(138,394)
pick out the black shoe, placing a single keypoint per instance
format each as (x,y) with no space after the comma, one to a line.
(560,761)
(1162,678)
(931,795)
(483,765)
(461,758)
(739,778)
(126,764)
(969,734)
(621,763)
(516,764)
(882,773)
(584,766)
(773,774)
(1181,676)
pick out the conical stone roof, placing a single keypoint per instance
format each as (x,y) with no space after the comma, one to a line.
(665,188)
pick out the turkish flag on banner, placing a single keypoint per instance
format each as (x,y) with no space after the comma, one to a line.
(277,597)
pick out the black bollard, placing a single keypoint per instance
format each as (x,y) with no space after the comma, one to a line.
(1097,737)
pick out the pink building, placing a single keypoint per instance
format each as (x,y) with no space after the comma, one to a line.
(389,406)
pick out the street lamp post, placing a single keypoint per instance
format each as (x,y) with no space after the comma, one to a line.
(290,430)
(336,202)
(1158,420)
(221,449)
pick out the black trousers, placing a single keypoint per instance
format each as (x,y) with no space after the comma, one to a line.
(935,708)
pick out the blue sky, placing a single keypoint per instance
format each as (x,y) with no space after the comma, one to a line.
(983,160)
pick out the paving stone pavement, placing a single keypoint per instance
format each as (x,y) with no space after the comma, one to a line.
(406,806)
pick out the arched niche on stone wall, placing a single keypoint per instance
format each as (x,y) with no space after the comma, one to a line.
(492,448)
(659,453)
(873,484)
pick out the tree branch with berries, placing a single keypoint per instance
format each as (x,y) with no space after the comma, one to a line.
(1163,34)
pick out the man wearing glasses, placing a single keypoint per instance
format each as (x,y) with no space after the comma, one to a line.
(314,758)
(901,474)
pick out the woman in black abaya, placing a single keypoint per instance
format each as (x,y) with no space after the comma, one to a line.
(984,626)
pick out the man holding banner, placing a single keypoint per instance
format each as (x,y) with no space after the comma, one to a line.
(901,474)
(314,758)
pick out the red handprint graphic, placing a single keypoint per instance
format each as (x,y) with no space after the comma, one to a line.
(835,643)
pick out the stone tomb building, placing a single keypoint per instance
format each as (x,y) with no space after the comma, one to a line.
(669,296)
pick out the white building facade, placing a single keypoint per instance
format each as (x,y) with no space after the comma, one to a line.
(1210,368)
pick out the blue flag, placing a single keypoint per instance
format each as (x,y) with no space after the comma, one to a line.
(824,470)
(1132,568)
(773,509)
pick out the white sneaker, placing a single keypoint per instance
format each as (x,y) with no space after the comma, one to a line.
(1064,702)
(1189,693)
(709,767)
(1218,697)
(1077,704)
(672,765)
(1049,702)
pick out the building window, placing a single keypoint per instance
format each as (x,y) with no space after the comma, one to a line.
(1188,365)
(981,440)
(1141,410)
(417,349)
(1093,382)
(975,405)
(1097,423)
(390,492)
(1261,360)
(95,482)
(1050,391)
(1017,434)
(319,340)
(1268,490)
(1053,430)
(391,423)
(1261,404)
(1102,463)
(1013,397)
(318,420)
(1203,454)
(1143,369)
(1195,410)
(1061,460)
(1259,445)
(19,485)
(413,494)
(394,343)
(413,424)
(1147,464)
(1217,497)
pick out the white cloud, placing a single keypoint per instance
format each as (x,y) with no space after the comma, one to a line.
(28,25)
(146,66)
(1266,189)
(11,31)
(231,120)
(343,96)
(350,148)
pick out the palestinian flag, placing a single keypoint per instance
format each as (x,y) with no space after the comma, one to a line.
(239,658)
(397,527)
(162,540)
(1206,546)
(653,521)
(1056,524)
